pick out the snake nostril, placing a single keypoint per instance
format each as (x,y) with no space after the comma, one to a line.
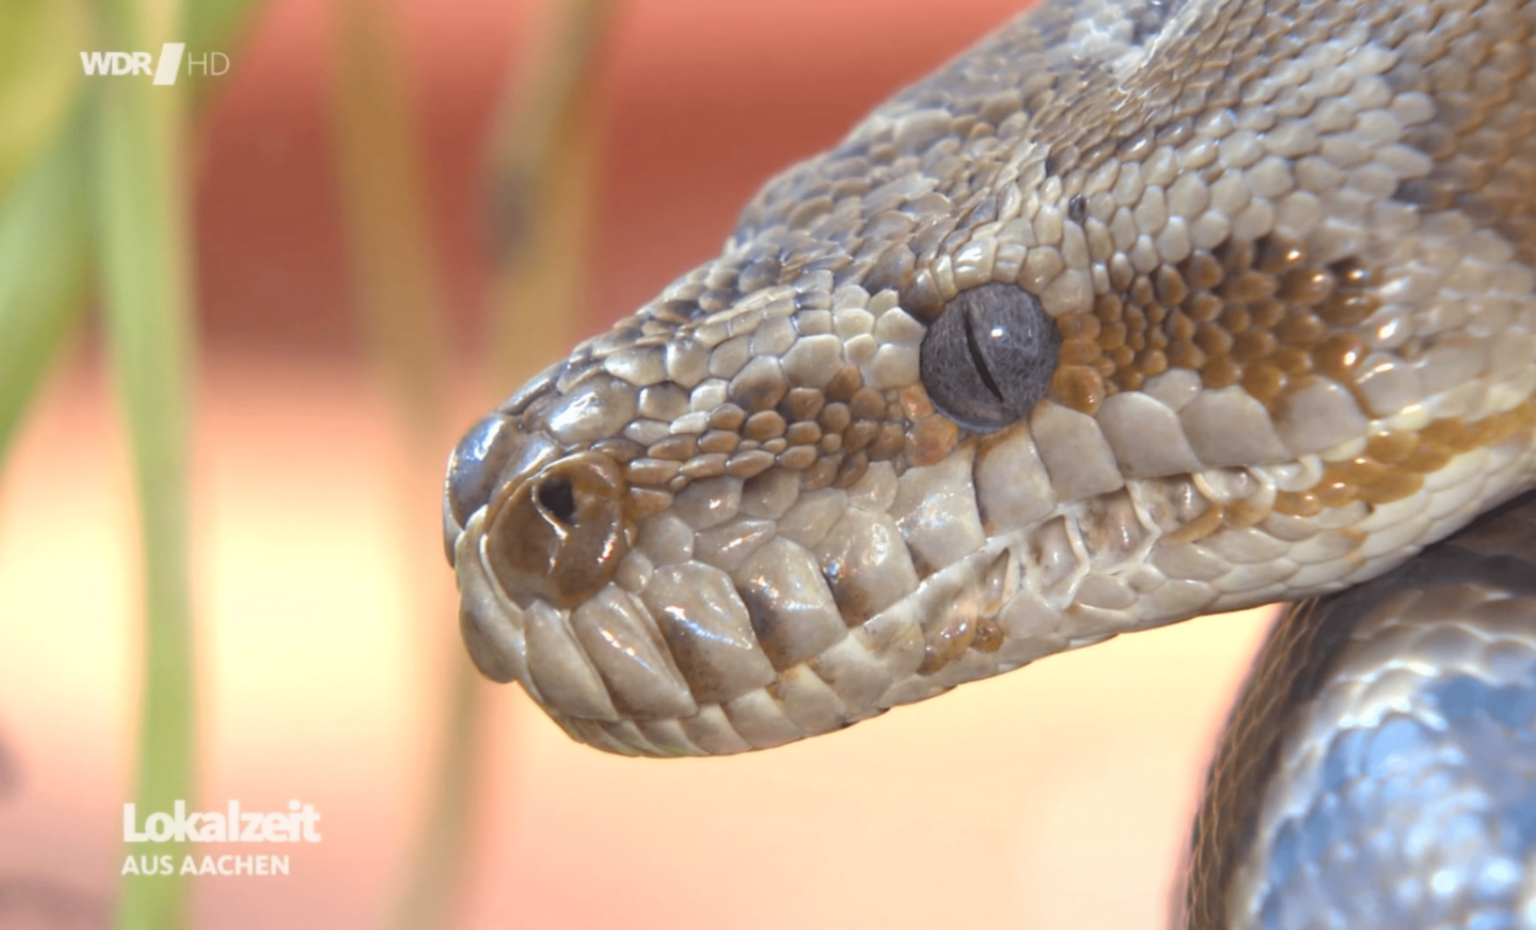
(558,497)
(560,534)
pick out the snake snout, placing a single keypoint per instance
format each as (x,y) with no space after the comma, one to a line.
(473,467)
(495,452)
(494,455)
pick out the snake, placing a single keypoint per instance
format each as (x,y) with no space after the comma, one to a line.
(1136,311)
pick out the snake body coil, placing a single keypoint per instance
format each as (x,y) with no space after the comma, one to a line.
(1137,311)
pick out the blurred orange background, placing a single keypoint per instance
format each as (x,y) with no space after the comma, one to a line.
(1060,796)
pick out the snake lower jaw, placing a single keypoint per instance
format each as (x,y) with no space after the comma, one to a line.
(675,657)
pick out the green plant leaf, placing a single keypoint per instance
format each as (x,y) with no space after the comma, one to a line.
(215,26)
(40,46)
(141,220)
(44,243)
(218,25)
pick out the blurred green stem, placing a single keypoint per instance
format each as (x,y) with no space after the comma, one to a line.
(541,180)
(386,213)
(542,170)
(439,862)
(403,309)
(142,240)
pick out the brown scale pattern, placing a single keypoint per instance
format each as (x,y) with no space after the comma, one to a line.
(883,207)
(829,435)
(1394,464)
(1263,316)
(1482,139)
(1257,314)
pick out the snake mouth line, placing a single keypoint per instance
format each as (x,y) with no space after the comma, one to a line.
(692,635)
(705,642)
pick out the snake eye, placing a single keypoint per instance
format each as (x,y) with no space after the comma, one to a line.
(989,356)
(560,534)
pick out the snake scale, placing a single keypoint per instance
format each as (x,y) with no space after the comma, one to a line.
(1136,311)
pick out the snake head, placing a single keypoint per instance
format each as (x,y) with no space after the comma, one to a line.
(1048,349)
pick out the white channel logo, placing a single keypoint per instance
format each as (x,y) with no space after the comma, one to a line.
(231,825)
(165,70)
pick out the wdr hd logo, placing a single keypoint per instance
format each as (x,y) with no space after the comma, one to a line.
(122,64)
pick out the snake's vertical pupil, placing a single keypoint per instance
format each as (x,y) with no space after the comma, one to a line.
(978,357)
(989,357)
